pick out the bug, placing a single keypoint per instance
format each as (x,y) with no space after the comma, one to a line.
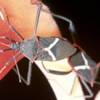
(32,50)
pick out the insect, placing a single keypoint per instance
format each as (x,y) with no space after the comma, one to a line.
(14,45)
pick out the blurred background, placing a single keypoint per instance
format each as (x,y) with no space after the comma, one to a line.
(86,18)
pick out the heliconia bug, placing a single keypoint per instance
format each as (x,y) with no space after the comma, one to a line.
(14,47)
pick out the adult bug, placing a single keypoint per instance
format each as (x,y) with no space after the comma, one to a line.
(25,48)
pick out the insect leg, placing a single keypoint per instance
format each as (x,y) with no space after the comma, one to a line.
(90,93)
(88,89)
(37,21)
(22,38)
(21,77)
(6,17)
(13,29)
(17,69)
(4,67)
(71,24)
(29,73)
(37,18)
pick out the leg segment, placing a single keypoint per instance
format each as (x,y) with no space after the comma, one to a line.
(16,31)
(17,69)
(29,73)
(88,89)
(71,25)
(6,67)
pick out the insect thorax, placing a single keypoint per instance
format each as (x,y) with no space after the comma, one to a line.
(27,47)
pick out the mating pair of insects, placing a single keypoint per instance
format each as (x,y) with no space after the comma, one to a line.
(49,49)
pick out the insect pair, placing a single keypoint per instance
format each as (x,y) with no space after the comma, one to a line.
(15,47)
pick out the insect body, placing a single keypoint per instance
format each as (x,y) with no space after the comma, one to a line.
(45,49)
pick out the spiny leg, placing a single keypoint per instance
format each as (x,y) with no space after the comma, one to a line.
(71,24)
(37,22)
(8,49)
(37,19)
(29,73)
(8,62)
(17,70)
(22,38)
(2,17)
(90,95)
(13,28)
